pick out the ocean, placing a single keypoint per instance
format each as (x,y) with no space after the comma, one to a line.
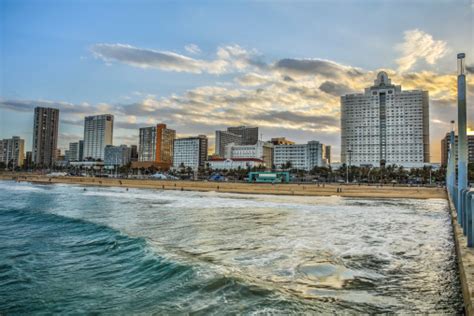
(73,249)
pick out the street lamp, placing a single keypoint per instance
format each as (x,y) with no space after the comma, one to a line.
(348,165)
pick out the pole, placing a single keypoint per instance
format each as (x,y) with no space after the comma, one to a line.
(462,130)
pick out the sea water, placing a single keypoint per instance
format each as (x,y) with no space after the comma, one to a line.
(75,249)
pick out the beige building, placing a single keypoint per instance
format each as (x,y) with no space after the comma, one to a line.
(98,133)
(12,152)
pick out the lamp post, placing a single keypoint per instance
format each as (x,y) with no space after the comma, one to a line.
(462,130)
(348,165)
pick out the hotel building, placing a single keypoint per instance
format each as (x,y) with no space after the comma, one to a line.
(156,146)
(98,133)
(75,151)
(45,136)
(385,125)
(12,152)
(190,152)
(301,156)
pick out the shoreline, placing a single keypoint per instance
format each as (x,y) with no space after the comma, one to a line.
(310,189)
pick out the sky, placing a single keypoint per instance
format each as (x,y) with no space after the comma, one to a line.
(200,66)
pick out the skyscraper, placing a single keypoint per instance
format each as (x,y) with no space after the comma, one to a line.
(98,133)
(445,146)
(385,125)
(156,144)
(45,136)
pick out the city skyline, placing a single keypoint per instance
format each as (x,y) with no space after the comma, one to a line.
(198,80)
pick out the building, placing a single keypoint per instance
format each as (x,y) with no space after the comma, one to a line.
(234,164)
(260,150)
(117,155)
(239,135)
(190,152)
(299,156)
(385,125)
(223,138)
(98,133)
(249,134)
(75,151)
(156,144)
(28,162)
(327,154)
(12,152)
(133,153)
(281,141)
(45,136)
(445,147)
(155,147)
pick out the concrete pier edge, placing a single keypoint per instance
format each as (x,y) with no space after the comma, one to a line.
(465,258)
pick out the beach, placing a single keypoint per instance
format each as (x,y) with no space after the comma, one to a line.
(309,189)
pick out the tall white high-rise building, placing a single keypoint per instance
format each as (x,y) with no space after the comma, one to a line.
(385,125)
(98,133)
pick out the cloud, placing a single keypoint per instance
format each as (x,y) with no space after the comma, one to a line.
(335,89)
(419,45)
(230,58)
(322,67)
(192,49)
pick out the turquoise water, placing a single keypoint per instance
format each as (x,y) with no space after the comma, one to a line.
(106,250)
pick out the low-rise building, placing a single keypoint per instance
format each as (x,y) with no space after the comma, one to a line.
(190,152)
(261,150)
(299,156)
(234,164)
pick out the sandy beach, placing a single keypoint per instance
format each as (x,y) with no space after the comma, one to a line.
(310,189)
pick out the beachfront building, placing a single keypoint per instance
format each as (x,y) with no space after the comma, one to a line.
(75,151)
(12,152)
(224,138)
(239,135)
(385,125)
(299,156)
(98,133)
(155,147)
(260,150)
(190,152)
(45,136)
(218,163)
(445,147)
(117,155)
(327,154)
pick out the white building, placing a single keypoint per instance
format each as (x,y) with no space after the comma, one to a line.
(261,150)
(190,152)
(385,125)
(223,138)
(300,156)
(98,133)
(233,164)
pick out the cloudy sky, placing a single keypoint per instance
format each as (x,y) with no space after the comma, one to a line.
(203,65)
